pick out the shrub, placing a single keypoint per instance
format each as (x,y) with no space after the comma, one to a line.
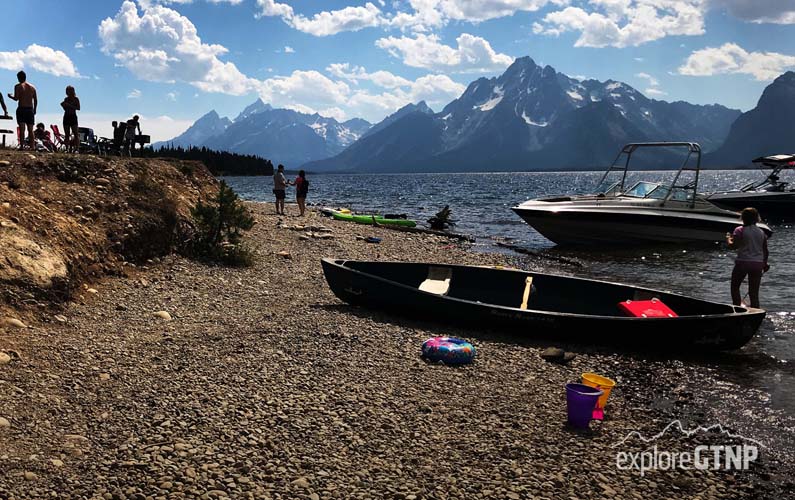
(218,226)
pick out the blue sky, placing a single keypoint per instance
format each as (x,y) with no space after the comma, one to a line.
(171,61)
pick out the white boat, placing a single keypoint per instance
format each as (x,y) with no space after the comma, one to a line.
(774,198)
(644,213)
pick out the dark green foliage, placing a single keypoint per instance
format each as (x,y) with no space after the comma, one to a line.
(154,231)
(218,227)
(218,162)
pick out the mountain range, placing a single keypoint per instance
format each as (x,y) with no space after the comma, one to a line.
(283,135)
(529,118)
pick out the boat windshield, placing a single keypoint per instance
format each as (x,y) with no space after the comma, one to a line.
(608,188)
(679,194)
(642,189)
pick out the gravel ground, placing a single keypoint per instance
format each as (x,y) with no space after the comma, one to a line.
(264,385)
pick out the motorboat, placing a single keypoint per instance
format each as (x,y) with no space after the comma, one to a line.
(639,214)
(774,198)
(542,306)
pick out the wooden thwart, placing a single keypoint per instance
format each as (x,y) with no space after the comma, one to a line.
(528,287)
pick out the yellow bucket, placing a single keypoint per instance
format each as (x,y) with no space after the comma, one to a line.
(599,382)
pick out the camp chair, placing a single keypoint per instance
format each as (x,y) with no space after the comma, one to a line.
(88,141)
(58,139)
(438,280)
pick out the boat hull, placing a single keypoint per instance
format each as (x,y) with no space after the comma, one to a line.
(725,328)
(576,227)
(771,205)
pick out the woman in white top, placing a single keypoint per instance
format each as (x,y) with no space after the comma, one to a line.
(750,241)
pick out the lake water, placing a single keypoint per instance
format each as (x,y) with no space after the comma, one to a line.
(481,204)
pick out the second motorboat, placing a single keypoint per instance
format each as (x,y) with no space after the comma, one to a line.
(644,213)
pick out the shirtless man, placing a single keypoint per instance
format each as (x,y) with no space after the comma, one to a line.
(27,102)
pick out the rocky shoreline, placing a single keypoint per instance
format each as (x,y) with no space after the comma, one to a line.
(259,383)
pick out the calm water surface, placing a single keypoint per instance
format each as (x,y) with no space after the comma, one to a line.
(481,205)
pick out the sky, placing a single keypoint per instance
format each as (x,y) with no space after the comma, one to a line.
(171,61)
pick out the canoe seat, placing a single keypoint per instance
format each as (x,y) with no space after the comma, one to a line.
(438,280)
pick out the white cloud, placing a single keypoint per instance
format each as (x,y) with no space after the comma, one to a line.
(421,15)
(473,54)
(645,76)
(355,74)
(731,58)
(324,23)
(134,94)
(309,88)
(430,14)
(79,45)
(289,50)
(172,96)
(655,92)
(148,3)
(162,45)
(39,58)
(759,11)
(624,23)
(311,91)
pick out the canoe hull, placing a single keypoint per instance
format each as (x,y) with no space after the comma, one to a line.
(708,332)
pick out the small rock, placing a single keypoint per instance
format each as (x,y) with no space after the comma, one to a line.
(557,355)
(56,462)
(285,254)
(4,423)
(101,181)
(15,220)
(5,163)
(30,476)
(553,354)
(93,291)
(314,496)
(104,376)
(60,318)
(4,358)
(301,482)
(164,315)
(13,323)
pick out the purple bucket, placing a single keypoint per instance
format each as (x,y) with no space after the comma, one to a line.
(580,402)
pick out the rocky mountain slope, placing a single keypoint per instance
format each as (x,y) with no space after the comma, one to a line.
(767,129)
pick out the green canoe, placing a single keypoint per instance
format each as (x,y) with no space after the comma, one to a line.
(368,219)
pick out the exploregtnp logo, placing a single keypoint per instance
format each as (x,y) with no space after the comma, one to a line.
(736,453)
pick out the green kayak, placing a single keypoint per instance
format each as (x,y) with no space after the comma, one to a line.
(368,219)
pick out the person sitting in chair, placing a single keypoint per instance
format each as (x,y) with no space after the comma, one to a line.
(43,135)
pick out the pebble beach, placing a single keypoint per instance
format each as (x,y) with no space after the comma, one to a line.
(184,380)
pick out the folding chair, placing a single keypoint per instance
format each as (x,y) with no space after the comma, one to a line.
(58,138)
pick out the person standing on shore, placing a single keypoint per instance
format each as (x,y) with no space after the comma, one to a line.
(27,102)
(279,189)
(71,105)
(301,190)
(750,241)
(133,126)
